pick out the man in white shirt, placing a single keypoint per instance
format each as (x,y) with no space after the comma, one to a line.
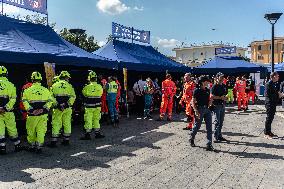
(138,90)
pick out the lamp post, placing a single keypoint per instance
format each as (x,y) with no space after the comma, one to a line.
(78,33)
(272,19)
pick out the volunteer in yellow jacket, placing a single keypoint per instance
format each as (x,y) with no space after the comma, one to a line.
(37,101)
(92,102)
(64,96)
(7,117)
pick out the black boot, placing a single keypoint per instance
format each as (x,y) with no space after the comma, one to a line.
(99,135)
(86,137)
(3,150)
(192,144)
(52,144)
(65,143)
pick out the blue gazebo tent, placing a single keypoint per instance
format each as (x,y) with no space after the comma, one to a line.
(139,57)
(27,43)
(228,65)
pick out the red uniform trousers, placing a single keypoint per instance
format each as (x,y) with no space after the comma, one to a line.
(190,113)
(166,106)
(104,104)
(242,100)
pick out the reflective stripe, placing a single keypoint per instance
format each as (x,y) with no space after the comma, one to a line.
(55,135)
(62,95)
(67,134)
(88,130)
(2,137)
(4,96)
(39,145)
(2,144)
(54,139)
(17,142)
(34,101)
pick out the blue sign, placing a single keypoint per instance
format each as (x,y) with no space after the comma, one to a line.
(39,6)
(120,31)
(226,50)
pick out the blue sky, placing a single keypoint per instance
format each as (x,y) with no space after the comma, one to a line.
(172,22)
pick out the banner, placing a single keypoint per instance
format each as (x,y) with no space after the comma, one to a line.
(49,72)
(39,6)
(225,50)
(120,31)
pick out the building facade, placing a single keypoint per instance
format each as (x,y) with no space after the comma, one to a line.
(197,55)
(261,51)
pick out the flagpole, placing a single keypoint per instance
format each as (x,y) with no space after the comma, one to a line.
(2,8)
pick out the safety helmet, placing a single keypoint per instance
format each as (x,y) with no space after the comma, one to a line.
(55,79)
(3,70)
(64,74)
(92,75)
(36,76)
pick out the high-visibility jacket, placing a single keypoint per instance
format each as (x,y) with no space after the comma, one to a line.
(168,87)
(63,92)
(112,87)
(37,97)
(188,89)
(7,94)
(92,93)
(241,86)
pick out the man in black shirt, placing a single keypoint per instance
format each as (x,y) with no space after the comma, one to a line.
(219,92)
(201,102)
(272,95)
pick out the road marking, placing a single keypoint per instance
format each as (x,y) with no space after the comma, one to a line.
(78,154)
(102,147)
(129,138)
(149,131)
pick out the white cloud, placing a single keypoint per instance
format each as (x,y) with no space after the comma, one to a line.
(138,9)
(112,7)
(101,43)
(168,43)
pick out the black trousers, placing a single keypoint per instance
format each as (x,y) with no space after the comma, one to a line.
(270,112)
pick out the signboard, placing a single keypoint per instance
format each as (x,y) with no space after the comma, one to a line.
(225,50)
(120,31)
(49,72)
(39,6)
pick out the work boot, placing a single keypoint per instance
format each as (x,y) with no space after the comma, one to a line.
(65,143)
(192,144)
(99,135)
(209,147)
(3,150)
(169,119)
(52,144)
(86,137)
(18,148)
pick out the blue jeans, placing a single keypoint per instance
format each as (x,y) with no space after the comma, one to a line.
(148,104)
(206,114)
(219,112)
(111,98)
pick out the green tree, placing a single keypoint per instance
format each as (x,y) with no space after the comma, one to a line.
(88,43)
(36,19)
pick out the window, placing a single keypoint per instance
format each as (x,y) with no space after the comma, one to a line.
(259,47)
(260,57)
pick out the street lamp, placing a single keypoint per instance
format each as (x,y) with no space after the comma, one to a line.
(272,19)
(78,33)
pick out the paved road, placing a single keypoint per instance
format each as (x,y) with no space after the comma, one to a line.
(150,154)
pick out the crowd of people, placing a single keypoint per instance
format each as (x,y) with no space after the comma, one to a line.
(200,97)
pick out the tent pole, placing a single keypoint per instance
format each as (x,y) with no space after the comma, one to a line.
(2,12)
